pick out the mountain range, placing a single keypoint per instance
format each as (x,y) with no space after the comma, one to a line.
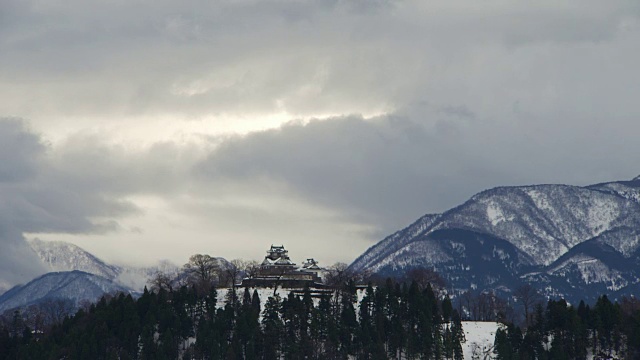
(565,240)
(568,241)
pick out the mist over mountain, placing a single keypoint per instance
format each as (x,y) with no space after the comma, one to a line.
(62,256)
(566,240)
(74,275)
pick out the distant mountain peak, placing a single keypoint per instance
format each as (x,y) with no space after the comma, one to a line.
(62,256)
(637,178)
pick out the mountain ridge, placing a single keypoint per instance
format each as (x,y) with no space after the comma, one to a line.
(75,286)
(540,223)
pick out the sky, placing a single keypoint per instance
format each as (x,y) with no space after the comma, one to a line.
(146,130)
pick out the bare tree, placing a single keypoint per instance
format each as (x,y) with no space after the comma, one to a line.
(251,268)
(236,270)
(479,352)
(468,305)
(629,305)
(528,297)
(201,270)
(35,319)
(504,311)
(232,274)
(160,281)
(423,276)
(338,275)
(55,310)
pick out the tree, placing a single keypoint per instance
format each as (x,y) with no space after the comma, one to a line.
(160,280)
(342,279)
(201,270)
(251,268)
(503,348)
(55,310)
(233,273)
(339,274)
(527,296)
(457,333)
(447,309)
(423,276)
(272,328)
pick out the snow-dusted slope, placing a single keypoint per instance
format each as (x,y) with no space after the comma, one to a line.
(73,285)
(394,243)
(4,286)
(544,221)
(522,231)
(61,256)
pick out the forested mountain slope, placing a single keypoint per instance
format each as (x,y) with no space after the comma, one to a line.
(566,239)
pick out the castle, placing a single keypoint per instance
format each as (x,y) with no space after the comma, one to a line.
(277,269)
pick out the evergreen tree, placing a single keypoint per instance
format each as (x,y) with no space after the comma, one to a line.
(272,328)
(501,345)
(347,327)
(457,334)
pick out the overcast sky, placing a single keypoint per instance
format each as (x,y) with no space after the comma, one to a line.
(145,130)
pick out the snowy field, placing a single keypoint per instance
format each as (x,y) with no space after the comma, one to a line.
(480,337)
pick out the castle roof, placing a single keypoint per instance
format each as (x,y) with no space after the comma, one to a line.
(277,255)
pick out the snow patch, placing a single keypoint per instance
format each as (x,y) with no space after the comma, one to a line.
(480,337)
(540,199)
(591,271)
(601,214)
(495,214)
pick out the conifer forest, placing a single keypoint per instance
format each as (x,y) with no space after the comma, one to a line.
(390,321)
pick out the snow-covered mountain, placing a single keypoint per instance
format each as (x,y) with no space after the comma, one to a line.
(76,274)
(62,256)
(566,239)
(72,285)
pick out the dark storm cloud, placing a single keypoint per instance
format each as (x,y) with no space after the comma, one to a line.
(19,151)
(35,196)
(384,171)
(390,170)
(197,58)
(121,169)
(42,193)
(19,155)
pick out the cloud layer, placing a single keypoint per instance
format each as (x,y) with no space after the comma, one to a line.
(225,126)
(127,63)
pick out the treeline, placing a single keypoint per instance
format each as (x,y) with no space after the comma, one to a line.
(561,331)
(390,321)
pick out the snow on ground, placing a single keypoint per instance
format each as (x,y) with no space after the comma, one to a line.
(480,337)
